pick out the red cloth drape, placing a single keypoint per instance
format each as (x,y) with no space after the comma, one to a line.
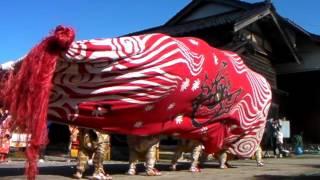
(145,85)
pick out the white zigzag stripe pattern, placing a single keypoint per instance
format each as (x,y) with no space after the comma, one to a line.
(249,108)
(123,55)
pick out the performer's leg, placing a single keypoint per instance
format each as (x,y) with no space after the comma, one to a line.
(222,158)
(82,164)
(151,161)
(258,155)
(83,156)
(196,152)
(99,154)
(176,156)
(133,160)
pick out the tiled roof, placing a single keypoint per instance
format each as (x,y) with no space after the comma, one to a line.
(299,29)
(228,18)
(195,3)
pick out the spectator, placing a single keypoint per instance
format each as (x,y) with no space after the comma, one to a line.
(268,139)
(277,137)
(5,135)
(4,147)
(279,140)
(298,144)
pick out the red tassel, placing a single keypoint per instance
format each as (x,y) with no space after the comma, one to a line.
(27,91)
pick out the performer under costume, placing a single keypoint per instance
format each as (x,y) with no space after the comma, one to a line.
(143,147)
(92,145)
(222,157)
(186,146)
(258,156)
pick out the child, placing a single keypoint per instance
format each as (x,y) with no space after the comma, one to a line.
(4,147)
(5,136)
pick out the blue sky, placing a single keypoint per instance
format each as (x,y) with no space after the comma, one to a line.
(25,23)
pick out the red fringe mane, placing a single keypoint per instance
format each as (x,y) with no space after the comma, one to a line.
(26,91)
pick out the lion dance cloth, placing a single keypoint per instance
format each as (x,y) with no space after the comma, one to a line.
(149,84)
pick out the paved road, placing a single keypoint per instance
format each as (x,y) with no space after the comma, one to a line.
(306,167)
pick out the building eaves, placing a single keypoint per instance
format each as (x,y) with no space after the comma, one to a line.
(259,12)
(241,5)
(294,26)
(235,3)
(315,38)
(251,16)
(234,18)
(300,30)
(190,7)
(199,24)
(248,16)
(237,18)
(284,35)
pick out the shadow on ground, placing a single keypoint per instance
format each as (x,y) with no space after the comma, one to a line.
(278,177)
(68,170)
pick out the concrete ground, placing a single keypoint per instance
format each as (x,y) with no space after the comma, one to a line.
(305,167)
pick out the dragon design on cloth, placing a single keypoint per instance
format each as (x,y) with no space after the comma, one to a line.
(156,84)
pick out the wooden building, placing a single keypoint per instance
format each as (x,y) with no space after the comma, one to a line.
(270,44)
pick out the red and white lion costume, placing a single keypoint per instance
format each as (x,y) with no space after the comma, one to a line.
(144,85)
